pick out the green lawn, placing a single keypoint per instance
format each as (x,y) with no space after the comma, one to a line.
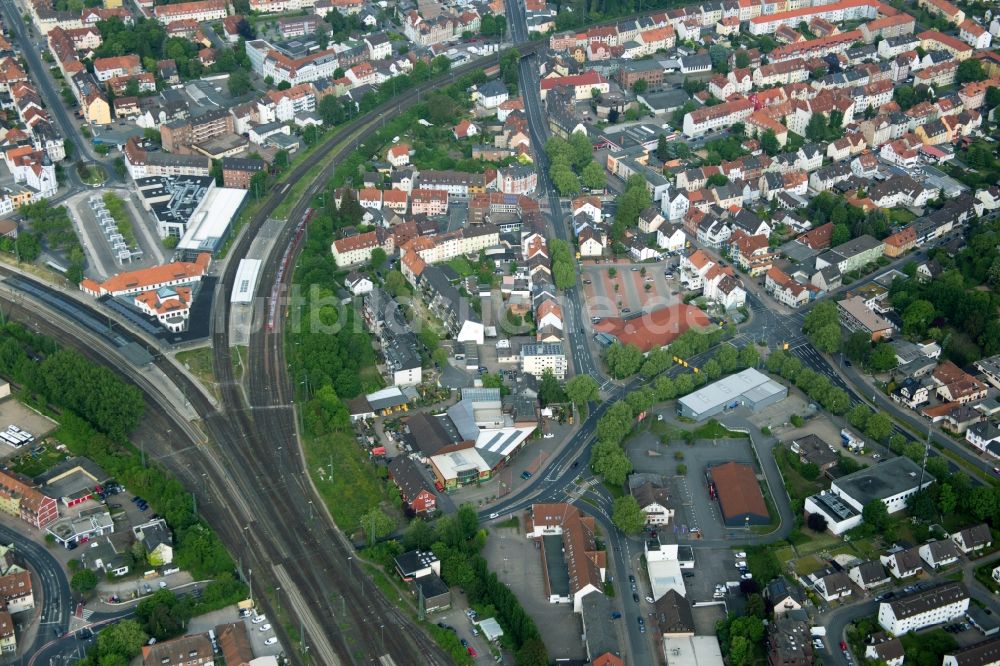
(808,564)
(797,485)
(32,466)
(715,430)
(352,486)
(462,266)
(90,175)
(199,363)
(901,215)
(819,542)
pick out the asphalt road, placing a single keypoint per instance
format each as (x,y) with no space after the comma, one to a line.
(56,599)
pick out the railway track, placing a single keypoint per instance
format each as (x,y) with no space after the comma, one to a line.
(244,466)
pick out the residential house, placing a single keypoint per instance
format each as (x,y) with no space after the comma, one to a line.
(985,436)
(831,585)
(868,575)
(939,553)
(784,597)
(903,563)
(973,539)
(785,289)
(911,392)
(654,502)
(883,649)
(956,385)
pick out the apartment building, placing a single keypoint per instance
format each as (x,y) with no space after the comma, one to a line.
(536,358)
(200,11)
(923,609)
(20,499)
(143,164)
(358,249)
(106,69)
(700,121)
(179,136)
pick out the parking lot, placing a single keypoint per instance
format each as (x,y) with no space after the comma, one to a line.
(518,564)
(106,252)
(698,510)
(14,413)
(633,288)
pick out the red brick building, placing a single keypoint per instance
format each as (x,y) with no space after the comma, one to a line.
(237,171)
(415,489)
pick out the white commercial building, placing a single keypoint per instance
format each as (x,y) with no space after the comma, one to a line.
(209,224)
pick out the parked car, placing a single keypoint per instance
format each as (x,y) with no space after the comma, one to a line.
(266,627)
(635,597)
(616,615)
(740,555)
(472,651)
(261,618)
(464,642)
(271,641)
(525,475)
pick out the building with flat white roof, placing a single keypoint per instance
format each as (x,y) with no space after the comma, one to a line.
(246,281)
(749,388)
(692,651)
(209,224)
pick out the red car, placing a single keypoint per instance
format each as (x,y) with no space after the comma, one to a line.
(472,651)
(843,646)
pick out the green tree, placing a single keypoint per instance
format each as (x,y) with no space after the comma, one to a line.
(662,151)
(631,203)
(970,70)
(947,499)
(582,389)
(565,181)
(883,358)
(859,415)
(615,424)
(378,258)
(640,86)
(816,129)
(608,460)
(83,581)
(623,360)
(917,317)
(239,83)
(879,426)
(827,338)
(377,524)
(123,640)
(769,142)
(875,515)
(837,401)
(627,515)
(593,176)
(742,59)
(840,235)
(164,614)
(858,347)
(748,356)
(549,389)
(740,651)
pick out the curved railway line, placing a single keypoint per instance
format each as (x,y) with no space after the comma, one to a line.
(244,466)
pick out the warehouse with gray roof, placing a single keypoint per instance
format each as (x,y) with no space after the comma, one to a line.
(750,388)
